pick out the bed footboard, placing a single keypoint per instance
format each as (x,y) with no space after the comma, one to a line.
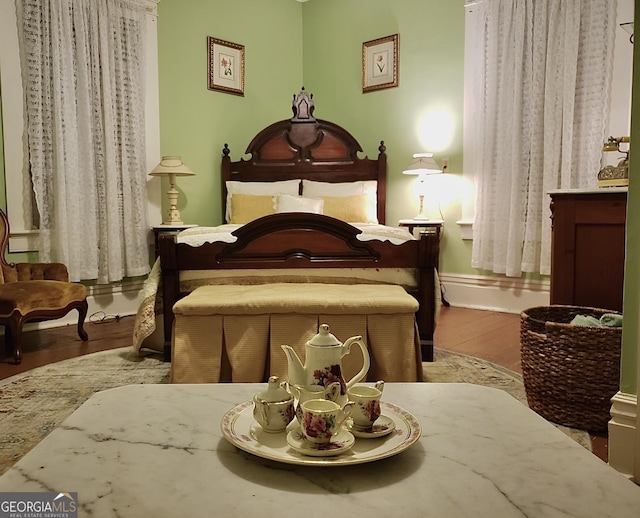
(303,241)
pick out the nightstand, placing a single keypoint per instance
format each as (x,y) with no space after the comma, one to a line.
(167,229)
(430,225)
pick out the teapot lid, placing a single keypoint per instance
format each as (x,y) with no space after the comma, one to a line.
(324,337)
(274,391)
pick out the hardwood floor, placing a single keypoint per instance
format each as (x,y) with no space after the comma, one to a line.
(488,335)
(60,343)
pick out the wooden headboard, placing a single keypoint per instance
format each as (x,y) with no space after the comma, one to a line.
(306,148)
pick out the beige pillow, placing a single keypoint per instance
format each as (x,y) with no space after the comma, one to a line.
(247,207)
(352,209)
(369,188)
(258,189)
(288,203)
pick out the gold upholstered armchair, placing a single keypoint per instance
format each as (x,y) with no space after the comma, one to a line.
(34,292)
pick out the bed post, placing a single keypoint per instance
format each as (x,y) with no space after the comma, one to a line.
(382,183)
(225,174)
(428,253)
(170,286)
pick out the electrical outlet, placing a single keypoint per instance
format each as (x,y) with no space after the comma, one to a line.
(445,165)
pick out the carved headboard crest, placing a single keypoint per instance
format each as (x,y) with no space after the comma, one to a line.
(302,107)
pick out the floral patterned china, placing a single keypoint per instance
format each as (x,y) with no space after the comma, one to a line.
(323,362)
(273,407)
(240,428)
(339,444)
(366,401)
(323,419)
(384,425)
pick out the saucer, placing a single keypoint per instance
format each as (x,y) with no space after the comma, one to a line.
(340,443)
(384,425)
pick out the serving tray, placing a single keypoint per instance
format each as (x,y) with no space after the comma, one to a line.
(240,429)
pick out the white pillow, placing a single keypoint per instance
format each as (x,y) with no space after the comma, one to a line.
(259,188)
(288,203)
(369,188)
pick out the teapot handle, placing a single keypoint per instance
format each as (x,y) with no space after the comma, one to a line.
(365,354)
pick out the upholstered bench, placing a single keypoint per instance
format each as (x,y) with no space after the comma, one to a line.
(234,333)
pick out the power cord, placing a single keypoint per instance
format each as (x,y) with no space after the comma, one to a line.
(100,317)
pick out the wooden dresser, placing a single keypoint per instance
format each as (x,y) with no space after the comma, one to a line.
(588,247)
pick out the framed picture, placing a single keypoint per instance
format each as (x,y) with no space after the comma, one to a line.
(226,66)
(380,63)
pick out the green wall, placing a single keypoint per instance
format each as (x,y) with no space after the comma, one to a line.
(318,45)
(431,54)
(196,122)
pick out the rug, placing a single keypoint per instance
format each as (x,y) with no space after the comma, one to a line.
(35,402)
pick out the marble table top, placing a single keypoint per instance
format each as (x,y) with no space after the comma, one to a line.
(158,450)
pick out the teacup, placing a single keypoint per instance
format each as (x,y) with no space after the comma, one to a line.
(366,400)
(322,419)
(305,393)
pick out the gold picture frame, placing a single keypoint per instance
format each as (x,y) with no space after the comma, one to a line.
(380,63)
(225,66)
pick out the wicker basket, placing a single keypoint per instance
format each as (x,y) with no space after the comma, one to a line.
(570,372)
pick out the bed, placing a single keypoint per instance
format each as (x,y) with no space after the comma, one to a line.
(308,158)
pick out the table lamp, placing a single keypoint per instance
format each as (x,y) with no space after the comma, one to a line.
(172,166)
(423,164)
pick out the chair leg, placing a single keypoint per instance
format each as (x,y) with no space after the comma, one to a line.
(14,329)
(8,342)
(82,314)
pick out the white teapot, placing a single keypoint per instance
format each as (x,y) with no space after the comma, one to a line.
(323,362)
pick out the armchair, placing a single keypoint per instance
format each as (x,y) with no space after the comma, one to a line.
(34,292)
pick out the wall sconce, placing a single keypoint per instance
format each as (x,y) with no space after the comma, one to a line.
(615,176)
(423,164)
(172,166)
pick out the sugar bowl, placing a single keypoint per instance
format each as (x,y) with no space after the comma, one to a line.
(273,407)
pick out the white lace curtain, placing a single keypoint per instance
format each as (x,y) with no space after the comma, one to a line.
(83,70)
(543,70)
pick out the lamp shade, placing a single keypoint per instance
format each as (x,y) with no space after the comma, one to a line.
(423,163)
(171,165)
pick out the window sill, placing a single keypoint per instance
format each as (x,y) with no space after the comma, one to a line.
(466,228)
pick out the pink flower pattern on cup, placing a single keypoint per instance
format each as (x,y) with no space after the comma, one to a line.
(373,410)
(289,414)
(317,426)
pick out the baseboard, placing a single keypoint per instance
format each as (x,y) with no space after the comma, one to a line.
(504,294)
(121,299)
(623,433)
